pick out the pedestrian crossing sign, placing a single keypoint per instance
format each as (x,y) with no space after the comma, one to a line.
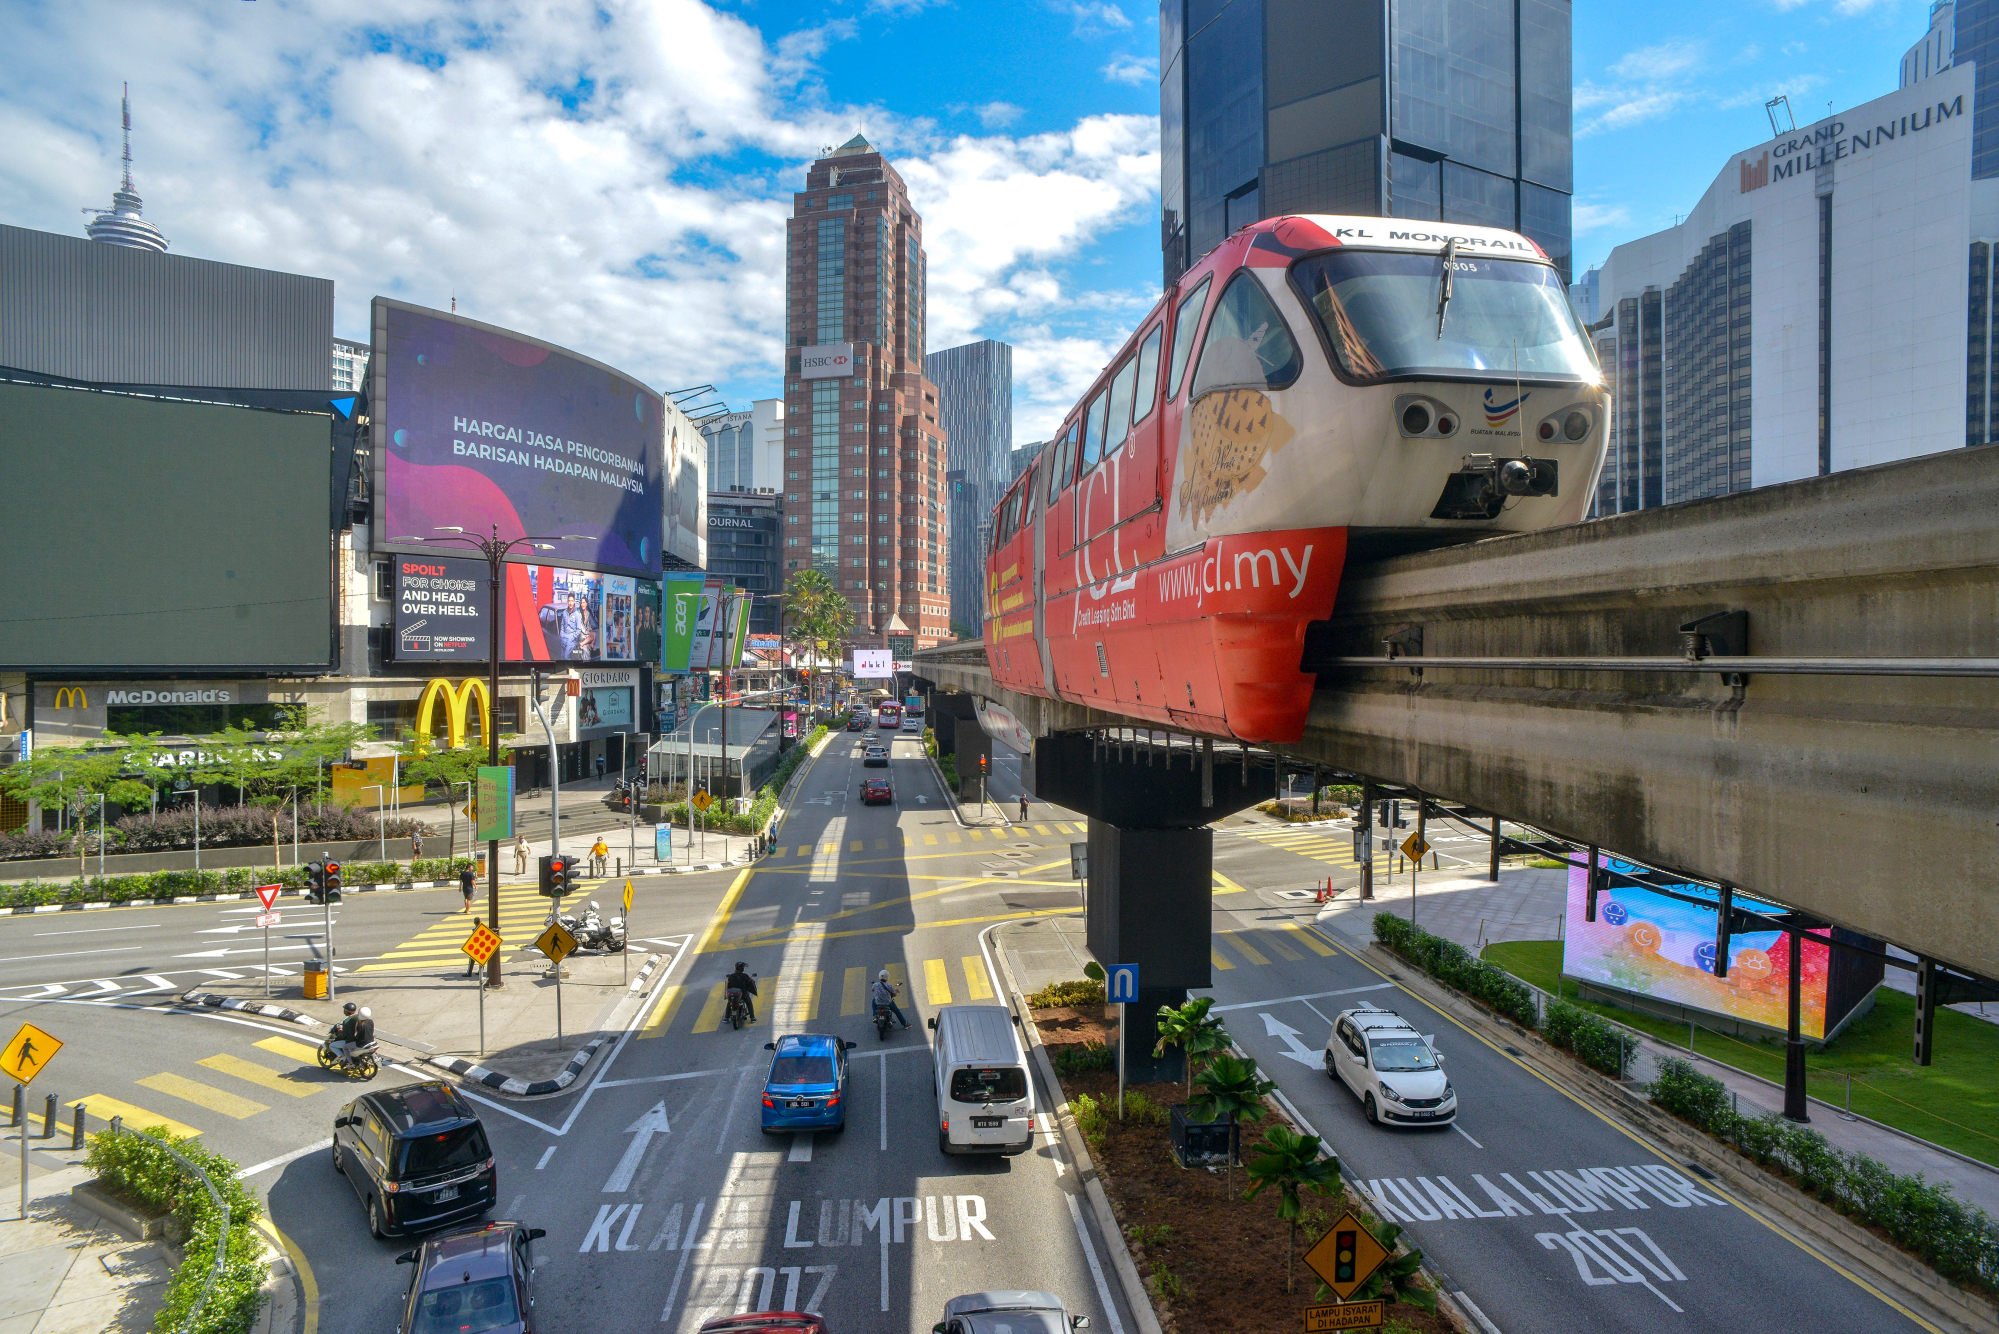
(481,944)
(557,942)
(28,1053)
(628,896)
(1413,847)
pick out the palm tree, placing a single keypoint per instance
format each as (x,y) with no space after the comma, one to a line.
(1232,1089)
(1292,1162)
(1193,1030)
(818,611)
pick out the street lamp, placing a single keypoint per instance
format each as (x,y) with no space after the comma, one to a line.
(494,549)
(632,834)
(100,836)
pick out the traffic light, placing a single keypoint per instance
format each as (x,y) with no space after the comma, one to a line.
(332,880)
(558,876)
(1345,1246)
(985,763)
(315,881)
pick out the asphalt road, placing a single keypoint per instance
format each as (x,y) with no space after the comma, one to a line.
(663,1201)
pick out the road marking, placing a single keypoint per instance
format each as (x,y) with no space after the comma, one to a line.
(1096,1270)
(71,954)
(252,1073)
(801,1148)
(228,1104)
(1242,946)
(298,1051)
(662,1012)
(720,921)
(857,845)
(936,983)
(802,1001)
(710,1017)
(546,1154)
(104,1108)
(1215,957)
(1275,944)
(1043,830)
(1462,1131)
(1309,940)
(930,840)
(308,1285)
(853,991)
(93,930)
(978,986)
(1224,885)
(1308,996)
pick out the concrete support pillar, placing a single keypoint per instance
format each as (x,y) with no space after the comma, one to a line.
(1366,841)
(1147,902)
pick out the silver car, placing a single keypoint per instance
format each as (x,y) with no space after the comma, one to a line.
(1394,1071)
(1007,1313)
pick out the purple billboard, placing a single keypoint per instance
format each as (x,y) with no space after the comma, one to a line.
(484,429)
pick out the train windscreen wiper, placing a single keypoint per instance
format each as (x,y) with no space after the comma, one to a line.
(1444,284)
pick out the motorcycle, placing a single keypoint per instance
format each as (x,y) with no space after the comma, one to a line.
(599,933)
(360,1062)
(737,1010)
(884,1020)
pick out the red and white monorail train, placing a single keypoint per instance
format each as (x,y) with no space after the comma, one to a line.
(1312,383)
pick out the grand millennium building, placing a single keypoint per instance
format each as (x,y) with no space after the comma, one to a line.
(1828,304)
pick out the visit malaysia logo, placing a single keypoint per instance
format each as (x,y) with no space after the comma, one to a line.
(1498,414)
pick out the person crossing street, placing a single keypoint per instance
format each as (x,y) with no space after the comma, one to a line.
(598,854)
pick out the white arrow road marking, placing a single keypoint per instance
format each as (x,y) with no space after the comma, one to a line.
(248,949)
(653,1122)
(103,984)
(1293,1048)
(159,984)
(228,930)
(801,1148)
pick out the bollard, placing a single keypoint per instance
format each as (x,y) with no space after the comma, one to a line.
(76,1130)
(117,1125)
(49,1118)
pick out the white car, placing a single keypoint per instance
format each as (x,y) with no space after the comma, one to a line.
(1394,1071)
(1007,1313)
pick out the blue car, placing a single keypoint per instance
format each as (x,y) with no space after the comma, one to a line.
(806,1088)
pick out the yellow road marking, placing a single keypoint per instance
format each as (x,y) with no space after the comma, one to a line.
(1275,944)
(710,1017)
(1043,830)
(930,840)
(297,1051)
(853,991)
(103,1108)
(727,906)
(936,982)
(1224,885)
(881,845)
(856,845)
(903,927)
(252,1073)
(802,850)
(801,1002)
(228,1104)
(1215,957)
(1310,940)
(1242,947)
(978,983)
(662,1012)
(308,1285)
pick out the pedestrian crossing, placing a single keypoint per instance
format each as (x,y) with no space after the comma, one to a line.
(226,1084)
(1259,946)
(523,915)
(1329,844)
(952,838)
(789,1001)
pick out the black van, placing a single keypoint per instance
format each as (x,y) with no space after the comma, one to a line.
(417,1156)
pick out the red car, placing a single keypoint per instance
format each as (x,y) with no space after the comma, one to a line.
(877,792)
(765,1322)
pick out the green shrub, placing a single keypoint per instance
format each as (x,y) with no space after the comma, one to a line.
(1138,1107)
(948,766)
(1082,991)
(1593,1040)
(1071,1058)
(141,1168)
(1090,1118)
(1456,967)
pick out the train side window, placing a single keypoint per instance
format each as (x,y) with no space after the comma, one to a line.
(1117,425)
(1148,375)
(1185,321)
(1064,464)
(1247,343)
(1093,431)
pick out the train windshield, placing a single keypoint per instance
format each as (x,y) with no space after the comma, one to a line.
(1506,317)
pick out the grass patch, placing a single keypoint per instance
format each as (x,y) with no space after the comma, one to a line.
(1962,1086)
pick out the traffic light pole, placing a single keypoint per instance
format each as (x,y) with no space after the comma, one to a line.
(495,557)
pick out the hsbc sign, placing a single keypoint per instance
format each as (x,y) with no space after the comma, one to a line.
(826,361)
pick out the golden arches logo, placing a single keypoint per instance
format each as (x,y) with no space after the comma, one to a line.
(457,697)
(72,697)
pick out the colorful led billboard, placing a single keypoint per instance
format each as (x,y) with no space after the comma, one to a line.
(1651,945)
(485,429)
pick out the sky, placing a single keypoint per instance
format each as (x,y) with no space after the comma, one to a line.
(613,175)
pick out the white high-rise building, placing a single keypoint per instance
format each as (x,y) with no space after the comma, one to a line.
(350,366)
(746,449)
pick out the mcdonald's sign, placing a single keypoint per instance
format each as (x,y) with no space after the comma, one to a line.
(71,697)
(457,698)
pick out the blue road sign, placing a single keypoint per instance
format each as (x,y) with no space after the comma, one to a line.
(662,842)
(1123,983)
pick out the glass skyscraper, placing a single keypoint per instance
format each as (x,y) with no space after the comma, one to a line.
(975,408)
(1448,110)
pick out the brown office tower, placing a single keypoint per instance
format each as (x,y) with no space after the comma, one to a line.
(863,452)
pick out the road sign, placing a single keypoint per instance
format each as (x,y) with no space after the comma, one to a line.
(481,944)
(1346,1257)
(1122,983)
(268,920)
(28,1053)
(628,896)
(24,746)
(1348,1315)
(1413,847)
(268,895)
(556,942)
(702,801)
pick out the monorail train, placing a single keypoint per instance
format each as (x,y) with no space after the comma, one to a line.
(1313,382)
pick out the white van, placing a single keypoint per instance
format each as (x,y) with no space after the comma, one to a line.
(985,1100)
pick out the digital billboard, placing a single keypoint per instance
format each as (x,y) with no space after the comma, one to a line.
(441,609)
(484,429)
(645,603)
(553,614)
(873,664)
(1651,945)
(680,608)
(174,534)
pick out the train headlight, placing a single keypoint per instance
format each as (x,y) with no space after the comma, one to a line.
(1576,425)
(1416,419)
(1424,418)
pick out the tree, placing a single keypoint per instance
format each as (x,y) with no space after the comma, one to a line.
(817,612)
(1232,1089)
(120,769)
(1193,1030)
(1293,1163)
(453,767)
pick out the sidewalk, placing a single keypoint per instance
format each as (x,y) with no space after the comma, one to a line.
(64,1271)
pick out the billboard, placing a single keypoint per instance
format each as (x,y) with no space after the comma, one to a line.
(720,628)
(441,608)
(556,614)
(645,603)
(873,664)
(825,361)
(1651,945)
(486,429)
(175,534)
(686,489)
(680,608)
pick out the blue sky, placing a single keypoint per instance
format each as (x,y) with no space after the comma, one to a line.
(613,175)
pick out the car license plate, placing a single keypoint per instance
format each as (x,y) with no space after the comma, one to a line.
(988,1122)
(448,1193)
(801,1102)
(1424,1116)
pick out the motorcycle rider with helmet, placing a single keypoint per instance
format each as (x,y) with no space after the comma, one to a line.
(346,1035)
(884,993)
(740,983)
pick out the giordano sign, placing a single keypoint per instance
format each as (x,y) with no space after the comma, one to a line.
(457,700)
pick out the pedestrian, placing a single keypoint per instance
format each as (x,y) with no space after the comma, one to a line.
(598,853)
(520,856)
(416,842)
(600,766)
(466,883)
(472,964)
(1023,808)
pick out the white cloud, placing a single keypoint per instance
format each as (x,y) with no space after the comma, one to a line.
(997,115)
(1649,64)
(1093,16)
(1133,70)
(1584,217)
(611,175)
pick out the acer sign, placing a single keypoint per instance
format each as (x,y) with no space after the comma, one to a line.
(826,361)
(873,664)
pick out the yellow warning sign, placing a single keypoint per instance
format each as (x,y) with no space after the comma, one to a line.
(1347,1315)
(28,1053)
(1414,848)
(481,944)
(1346,1257)
(702,801)
(556,942)
(628,896)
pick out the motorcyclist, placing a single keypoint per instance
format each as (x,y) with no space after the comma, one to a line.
(884,993)
(741,981)
(364,1029)
(346,1034)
